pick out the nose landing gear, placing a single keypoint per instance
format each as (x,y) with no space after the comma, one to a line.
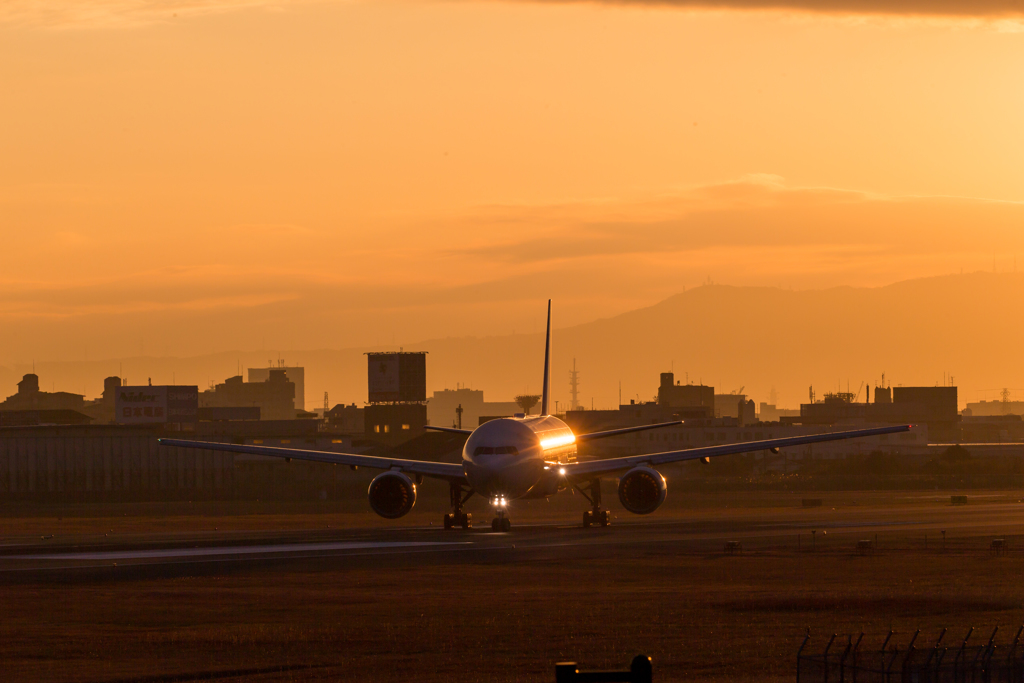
(500,521)
(457,517)
(596,515)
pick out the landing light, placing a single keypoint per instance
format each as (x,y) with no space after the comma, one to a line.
(556,441)
(561,470)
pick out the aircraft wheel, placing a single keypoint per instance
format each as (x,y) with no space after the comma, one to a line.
(494,524)
(588,518)
(506,524)
(467,520)
(449,522)
(606,518)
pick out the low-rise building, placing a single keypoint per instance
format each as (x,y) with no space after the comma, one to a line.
(443,408)
(275,397)
(29,397)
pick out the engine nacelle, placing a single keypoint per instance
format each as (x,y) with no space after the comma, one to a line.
(392,494)
(642,490)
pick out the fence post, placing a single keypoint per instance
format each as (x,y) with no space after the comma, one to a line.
(856,649)
(800,654)
(958,660)
(824,657)
(842,660)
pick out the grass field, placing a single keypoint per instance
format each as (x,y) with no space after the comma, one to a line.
(701,615)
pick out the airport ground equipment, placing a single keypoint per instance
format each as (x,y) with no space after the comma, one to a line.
(639,671)
(940,662)
(528,456)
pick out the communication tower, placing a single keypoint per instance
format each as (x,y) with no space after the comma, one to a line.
(574,387)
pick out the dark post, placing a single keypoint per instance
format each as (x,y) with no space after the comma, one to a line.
(824,657)
(800,653)
(565,672)
(642,670)
(842,660)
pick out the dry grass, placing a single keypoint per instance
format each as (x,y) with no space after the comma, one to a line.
(701,616)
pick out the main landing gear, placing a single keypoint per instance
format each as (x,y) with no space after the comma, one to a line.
(457,517)
(596,515)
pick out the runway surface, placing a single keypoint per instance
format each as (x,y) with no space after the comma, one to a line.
(779,529)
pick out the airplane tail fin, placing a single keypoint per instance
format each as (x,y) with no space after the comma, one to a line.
(547,367)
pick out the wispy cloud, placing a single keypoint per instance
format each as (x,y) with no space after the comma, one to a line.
(128,13)
(123,13)
(756,212)
(950,8)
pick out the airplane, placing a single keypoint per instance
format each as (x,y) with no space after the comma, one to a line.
(527,456)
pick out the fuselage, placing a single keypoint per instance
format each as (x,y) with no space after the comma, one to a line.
(515,457)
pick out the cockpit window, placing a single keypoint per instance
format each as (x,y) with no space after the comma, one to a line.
(500,450)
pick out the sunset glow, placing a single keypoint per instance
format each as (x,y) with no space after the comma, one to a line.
(354,174)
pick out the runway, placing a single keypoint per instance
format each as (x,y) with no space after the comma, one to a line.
(779,529)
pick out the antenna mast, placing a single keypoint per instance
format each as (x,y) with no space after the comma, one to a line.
(574,387)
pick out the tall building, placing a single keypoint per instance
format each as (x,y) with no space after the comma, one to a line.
(397,396)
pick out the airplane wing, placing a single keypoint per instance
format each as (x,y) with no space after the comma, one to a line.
(582,469)
(626,430)
(450,430)
(436,470)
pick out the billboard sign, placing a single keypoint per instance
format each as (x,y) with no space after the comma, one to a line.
(396,377)
(153,405)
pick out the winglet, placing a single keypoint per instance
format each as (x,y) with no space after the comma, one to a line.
(547,367)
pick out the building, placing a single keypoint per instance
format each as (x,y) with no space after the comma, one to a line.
(102,409)
(166,404)
(29,397)
(394,422)
(735,405)
(109,463)
(443,406)
(671,394)
(994,408)
(346,419)
(295,374)
(275,397)
(396,409)
(935,407)
(768,412)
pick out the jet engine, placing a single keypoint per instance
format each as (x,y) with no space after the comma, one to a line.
(392,495)
(642,490)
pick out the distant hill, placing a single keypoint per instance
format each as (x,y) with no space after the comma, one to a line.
(971,326)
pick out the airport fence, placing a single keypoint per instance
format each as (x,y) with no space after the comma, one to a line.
(849,660)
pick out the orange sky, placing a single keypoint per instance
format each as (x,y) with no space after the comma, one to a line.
(387,170)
